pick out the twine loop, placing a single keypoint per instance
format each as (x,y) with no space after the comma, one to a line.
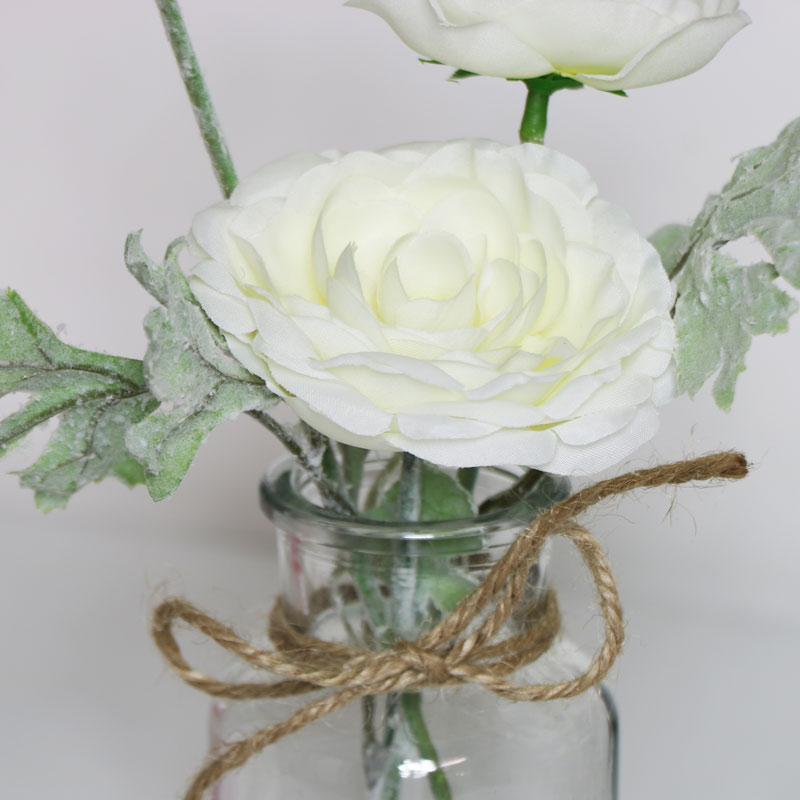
(471,645)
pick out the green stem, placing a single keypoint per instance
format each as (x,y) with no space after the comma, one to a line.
(534,120)
(198,95)
(371,597)
(404,576)
(331,494)
(380,482)
(403,590)
(412,709)
(375,609)
(409,501)
(409,494)
(391,786)
(513,494)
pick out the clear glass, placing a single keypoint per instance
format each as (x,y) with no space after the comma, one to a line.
(366,582)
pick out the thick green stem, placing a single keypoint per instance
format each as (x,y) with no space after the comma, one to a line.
(409,501)
(198,95)
(409,495)
(404,574)
(534,120)
(412,709)
(404,708)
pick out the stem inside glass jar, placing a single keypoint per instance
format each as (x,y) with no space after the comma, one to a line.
(404,725)
(393,577)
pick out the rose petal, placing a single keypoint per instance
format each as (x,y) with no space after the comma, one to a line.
(485,48)
(678,53)
(529,448)
(468,303)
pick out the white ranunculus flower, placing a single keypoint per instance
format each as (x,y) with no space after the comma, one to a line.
(470,303)
(608,44)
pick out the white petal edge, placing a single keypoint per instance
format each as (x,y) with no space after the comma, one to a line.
(679,53)
(485,48)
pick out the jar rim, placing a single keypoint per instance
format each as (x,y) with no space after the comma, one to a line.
(281,505)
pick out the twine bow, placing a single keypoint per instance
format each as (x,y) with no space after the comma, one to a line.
(454,652)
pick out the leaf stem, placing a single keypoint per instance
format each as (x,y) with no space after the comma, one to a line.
(380,482)
(331,494)
(404,572)
(199,97)
(409,495)
(513,494)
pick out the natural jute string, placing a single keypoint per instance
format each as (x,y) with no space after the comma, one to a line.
(454,652)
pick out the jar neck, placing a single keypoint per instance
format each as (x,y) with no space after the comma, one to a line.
(373,582)
(374,598)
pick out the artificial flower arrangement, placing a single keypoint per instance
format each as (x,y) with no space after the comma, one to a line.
(437,315)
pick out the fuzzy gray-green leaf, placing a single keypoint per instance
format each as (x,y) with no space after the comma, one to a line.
(87,446)
(717,316)
(95,398)
(150,274)
(190,371)
(723,303)
(27,343)
(763,200)
(672,242)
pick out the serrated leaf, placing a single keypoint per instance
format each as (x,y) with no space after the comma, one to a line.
(95,398)
(151,275)
(722,303)
(763,200)
(189,369)
(28,344)
(141,422)
(87,446)
(166,441)
(720,310)
(441,496)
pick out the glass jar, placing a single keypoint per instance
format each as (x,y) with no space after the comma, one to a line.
(369,583)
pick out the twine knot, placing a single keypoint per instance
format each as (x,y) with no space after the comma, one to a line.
(431,668)
(471,645)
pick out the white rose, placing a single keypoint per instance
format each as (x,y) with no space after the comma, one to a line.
(470,303)
(608,44)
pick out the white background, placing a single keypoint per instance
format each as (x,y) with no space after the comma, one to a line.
(97,140)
